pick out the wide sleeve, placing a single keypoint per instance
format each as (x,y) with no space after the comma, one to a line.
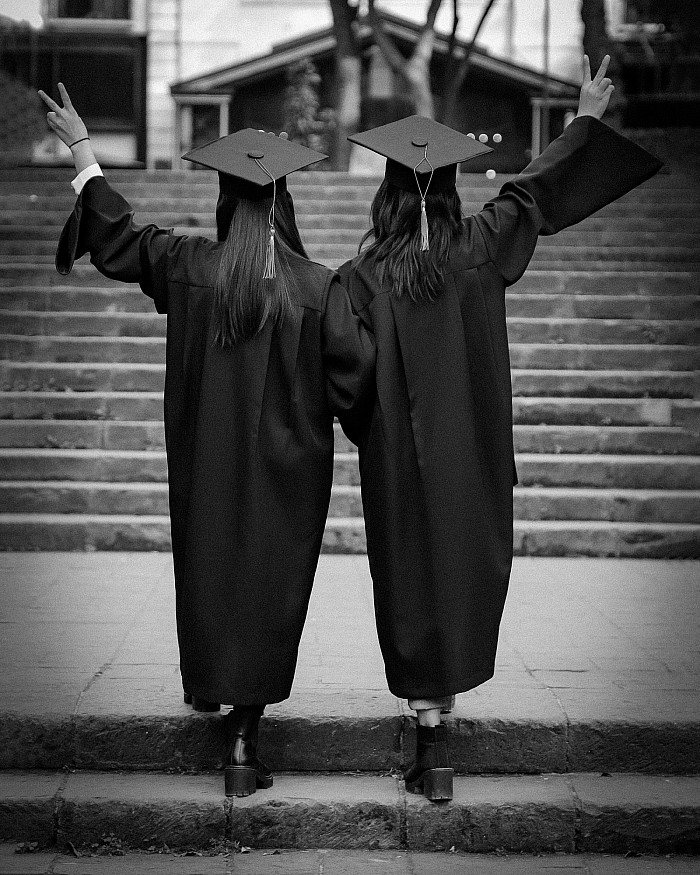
(349,355)
(102,223)
(588,166)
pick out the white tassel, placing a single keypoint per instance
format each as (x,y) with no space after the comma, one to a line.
(269,273)
(424,241)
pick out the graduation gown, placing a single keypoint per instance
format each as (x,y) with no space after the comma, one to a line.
(436,456)
(249,439)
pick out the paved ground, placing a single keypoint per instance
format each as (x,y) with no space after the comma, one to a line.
(588,638)
(341,863)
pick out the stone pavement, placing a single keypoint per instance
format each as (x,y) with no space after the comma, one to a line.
(593,639)
(341,863)
(586,739)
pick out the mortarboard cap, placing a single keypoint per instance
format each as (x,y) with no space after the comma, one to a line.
(252,165)
(241,157)
(407,143)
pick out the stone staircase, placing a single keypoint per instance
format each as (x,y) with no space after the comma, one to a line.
(604,331)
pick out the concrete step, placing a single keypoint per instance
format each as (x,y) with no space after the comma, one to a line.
(61,532)
(366,734)
(108,377)
(151,499)
(520,329)
(62,174)
(538,503)
(129,299)
(134,406)
(331,217)
(582,812)
(333,255)
(652,229)
(148,435)
(534,469)
(546,356)
(327,250)
(583,281)
(348,229)
(560,356)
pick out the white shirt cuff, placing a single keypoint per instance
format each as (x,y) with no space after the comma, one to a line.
(84,175)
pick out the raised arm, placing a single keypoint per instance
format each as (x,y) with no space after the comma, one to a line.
(588,166)
(102,221)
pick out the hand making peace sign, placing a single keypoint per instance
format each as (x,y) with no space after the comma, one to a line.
(596,92)
(64,121)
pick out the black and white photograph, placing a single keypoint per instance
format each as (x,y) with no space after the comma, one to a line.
(349,437)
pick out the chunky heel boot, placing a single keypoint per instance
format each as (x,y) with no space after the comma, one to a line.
(431,774)
(244,773)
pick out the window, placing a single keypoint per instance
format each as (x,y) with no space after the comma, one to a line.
(100,10)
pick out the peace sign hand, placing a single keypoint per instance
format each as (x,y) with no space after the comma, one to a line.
(64,121)
(596,92)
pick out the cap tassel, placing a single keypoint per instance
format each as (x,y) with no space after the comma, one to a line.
(424,236)
(269,273)
(424,240)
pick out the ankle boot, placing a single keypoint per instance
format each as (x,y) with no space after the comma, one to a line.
(244,773)
(431,773)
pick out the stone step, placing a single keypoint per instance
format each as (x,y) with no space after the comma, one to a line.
(129,299)
(651,227)
(366,733)
(665,178)
(328,186)
(335,254)
(538,503)
(134,406)
(534,469)
(578,812)
(337,247)
(149,435)
(66,532)
(520,329)
(600,223)
(108,377)
(583,281)
(545,356)
(615,245)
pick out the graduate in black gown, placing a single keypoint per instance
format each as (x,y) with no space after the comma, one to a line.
(436,455)
(262,351)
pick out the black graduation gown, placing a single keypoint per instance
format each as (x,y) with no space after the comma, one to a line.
(249,438)
(436,457)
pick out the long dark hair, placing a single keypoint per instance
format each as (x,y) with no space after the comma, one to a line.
(396,240)
(243,300)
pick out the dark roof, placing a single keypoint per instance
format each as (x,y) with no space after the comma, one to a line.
(319,44)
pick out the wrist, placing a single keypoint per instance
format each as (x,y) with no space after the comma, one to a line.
(83,156)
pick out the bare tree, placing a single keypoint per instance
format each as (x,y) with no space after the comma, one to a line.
(414,70)
(349,77)
(455,74)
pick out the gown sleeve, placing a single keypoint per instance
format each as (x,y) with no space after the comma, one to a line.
(102,223)
(349,354)
(588,166)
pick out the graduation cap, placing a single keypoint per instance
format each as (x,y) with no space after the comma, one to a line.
(422,155)
(251,165)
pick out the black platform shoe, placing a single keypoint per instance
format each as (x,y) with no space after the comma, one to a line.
(431,774)
(244,773)
(200,704)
